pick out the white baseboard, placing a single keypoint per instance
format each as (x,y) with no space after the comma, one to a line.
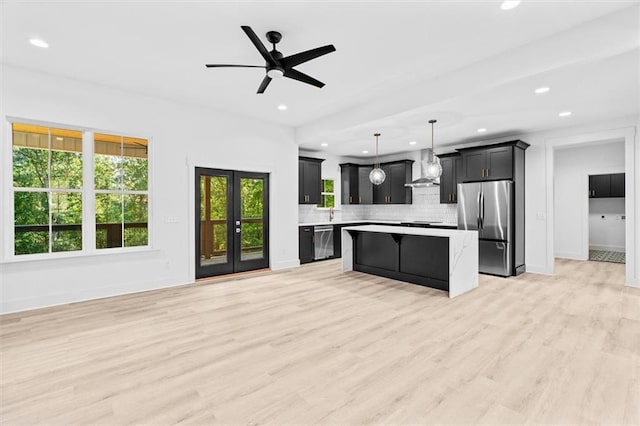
(537,269)
(285,264)
(607,248)
(27,304)
(570,255)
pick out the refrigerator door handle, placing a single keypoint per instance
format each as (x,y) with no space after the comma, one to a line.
(478,214)
(482,210)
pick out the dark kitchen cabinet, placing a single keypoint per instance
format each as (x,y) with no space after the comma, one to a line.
(493,162)
(349,183)
(365,187)
(393,189)
(617,185)
(309,180)
(305,244)
(606,186)
(451,176)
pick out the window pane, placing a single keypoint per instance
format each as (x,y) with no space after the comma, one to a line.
(135,220)
(66,219)
(327,185)
(328,201)
(135,173)
(31,218)
(66,159)
(108,220)
(107,161)
(30,156)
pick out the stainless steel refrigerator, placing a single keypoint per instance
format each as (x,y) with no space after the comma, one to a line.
(488,207)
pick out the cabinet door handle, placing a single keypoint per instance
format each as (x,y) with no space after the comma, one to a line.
(488,172)
(482,172)
(350,199)
(359,200)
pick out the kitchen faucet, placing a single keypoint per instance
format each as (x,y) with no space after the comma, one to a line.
(330,214)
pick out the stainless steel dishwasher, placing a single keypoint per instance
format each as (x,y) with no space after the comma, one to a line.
(323,241)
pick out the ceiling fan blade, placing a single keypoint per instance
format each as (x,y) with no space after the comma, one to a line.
(307,55)
(258,44)
(233,66)
(264,84)
(300,76)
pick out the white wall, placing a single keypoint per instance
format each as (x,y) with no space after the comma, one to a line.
(572,167)
(183,137)
(607,224)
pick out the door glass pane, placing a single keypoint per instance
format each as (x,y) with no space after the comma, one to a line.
(213,220)
(251,217)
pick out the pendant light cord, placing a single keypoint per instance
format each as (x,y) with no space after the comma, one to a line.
(377,165)
(432,155)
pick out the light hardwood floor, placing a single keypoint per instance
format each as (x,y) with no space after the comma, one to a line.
(314,345)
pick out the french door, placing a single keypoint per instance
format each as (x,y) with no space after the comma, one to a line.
(232,221)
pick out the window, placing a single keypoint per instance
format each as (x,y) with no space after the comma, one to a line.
(47,189)
(55,211)
(328,196)
(121,191)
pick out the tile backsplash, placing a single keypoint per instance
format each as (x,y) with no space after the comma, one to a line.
(426,206)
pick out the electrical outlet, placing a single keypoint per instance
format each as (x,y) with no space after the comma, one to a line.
(540,216)
(172,219)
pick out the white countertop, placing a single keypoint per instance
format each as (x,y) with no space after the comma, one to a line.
(412,230)
(343,222)
(390,222)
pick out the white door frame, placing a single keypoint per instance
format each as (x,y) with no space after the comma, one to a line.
(628,135)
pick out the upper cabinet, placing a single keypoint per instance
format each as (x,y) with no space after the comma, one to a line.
(606,186)
(451,176)
(309,180)
(493,162)
(393,189)
(357,189)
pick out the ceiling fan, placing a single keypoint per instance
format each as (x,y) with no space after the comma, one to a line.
(278,66)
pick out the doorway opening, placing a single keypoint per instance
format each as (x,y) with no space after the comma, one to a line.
(589,201)
(232,221)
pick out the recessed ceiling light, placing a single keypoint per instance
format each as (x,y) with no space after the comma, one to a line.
(39,43)
(510,4)
(540,90)
(482,130)
(412,143)
(324,144)
(564,114)
(365,152)
(282,107)
(58,138)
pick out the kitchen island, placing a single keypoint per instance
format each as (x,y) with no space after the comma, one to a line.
(444,259)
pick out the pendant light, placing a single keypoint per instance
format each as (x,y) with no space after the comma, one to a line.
(432,169)
(377,175)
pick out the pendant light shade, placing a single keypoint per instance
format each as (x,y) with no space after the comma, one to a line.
(377,175)
(432,168)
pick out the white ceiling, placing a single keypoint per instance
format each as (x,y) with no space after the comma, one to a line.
(397,64)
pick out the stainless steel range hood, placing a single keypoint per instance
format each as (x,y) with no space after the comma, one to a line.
(423,181)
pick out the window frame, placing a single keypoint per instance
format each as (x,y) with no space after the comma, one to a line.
(323,193)
(88,191)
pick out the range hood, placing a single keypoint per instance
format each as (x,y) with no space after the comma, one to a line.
(423,181)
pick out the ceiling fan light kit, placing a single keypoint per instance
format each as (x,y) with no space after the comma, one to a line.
(277,65)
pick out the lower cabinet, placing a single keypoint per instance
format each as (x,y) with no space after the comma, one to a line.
(416,259)
(305,244)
